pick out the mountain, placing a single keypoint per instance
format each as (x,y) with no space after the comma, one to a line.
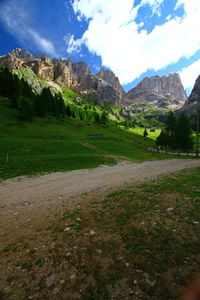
(194,98)
(162,92)
(193,103)
(109,77)
(104,87)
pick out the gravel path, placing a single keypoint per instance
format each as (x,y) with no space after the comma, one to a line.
(38,194)
(29,206)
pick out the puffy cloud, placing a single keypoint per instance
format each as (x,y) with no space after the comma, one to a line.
(15,15)
(114,35)
(189,74)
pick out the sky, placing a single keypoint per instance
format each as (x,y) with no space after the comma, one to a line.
(133,38)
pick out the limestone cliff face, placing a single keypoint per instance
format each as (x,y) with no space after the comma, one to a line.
(76,75)
(193,103)
(62,75)
(113,81)
(194,97)
(10,61)
(166,91)
(43,68)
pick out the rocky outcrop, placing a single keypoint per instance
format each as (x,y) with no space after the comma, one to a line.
(105,87)
(193,103)
(96,89)
(10,61)
(194,97)
(79,70)
(166,91)
(62,75)
(43,68)
(117,92)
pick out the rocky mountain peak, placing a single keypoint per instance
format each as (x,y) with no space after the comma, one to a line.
(22,53)
(192,105)
(194,97)
(65,72)
(166,91)
(109,77)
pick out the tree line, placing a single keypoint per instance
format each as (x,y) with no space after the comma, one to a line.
(30,104)
(177,133)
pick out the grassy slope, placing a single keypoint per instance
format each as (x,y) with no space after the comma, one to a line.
(51,144)
(69,95)
(139,130)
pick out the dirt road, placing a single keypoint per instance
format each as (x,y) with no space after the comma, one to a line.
(35,196)
(31,216)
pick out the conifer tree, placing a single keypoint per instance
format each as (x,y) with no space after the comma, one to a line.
(163,139)
(183,133)
(145,134)
(40,106)
(68,111)
(61,104)
(26,110)
(26,89)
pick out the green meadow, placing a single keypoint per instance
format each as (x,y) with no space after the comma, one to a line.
(62,144)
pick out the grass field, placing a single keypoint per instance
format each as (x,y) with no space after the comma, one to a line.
(140,242)
(50,144)
(139,130)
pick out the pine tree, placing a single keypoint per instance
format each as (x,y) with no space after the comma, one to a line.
(145,134)
(183,133)
(68,111)
(48,98)
(14,101)
(163,139)
(26,110)
(61,104)
(40,106)
(26,89)
(171,122)
(171,128)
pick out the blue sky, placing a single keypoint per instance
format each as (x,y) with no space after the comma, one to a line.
(133,38)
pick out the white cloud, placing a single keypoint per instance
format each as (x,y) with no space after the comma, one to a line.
(15,16)
(154,4)
(189,74)
(72,44)
(41,42)
(113,34)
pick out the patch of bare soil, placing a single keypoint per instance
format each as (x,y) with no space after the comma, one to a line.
(87,145)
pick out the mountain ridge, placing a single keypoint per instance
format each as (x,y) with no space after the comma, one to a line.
(166,91)
(64,72)
(163,92)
